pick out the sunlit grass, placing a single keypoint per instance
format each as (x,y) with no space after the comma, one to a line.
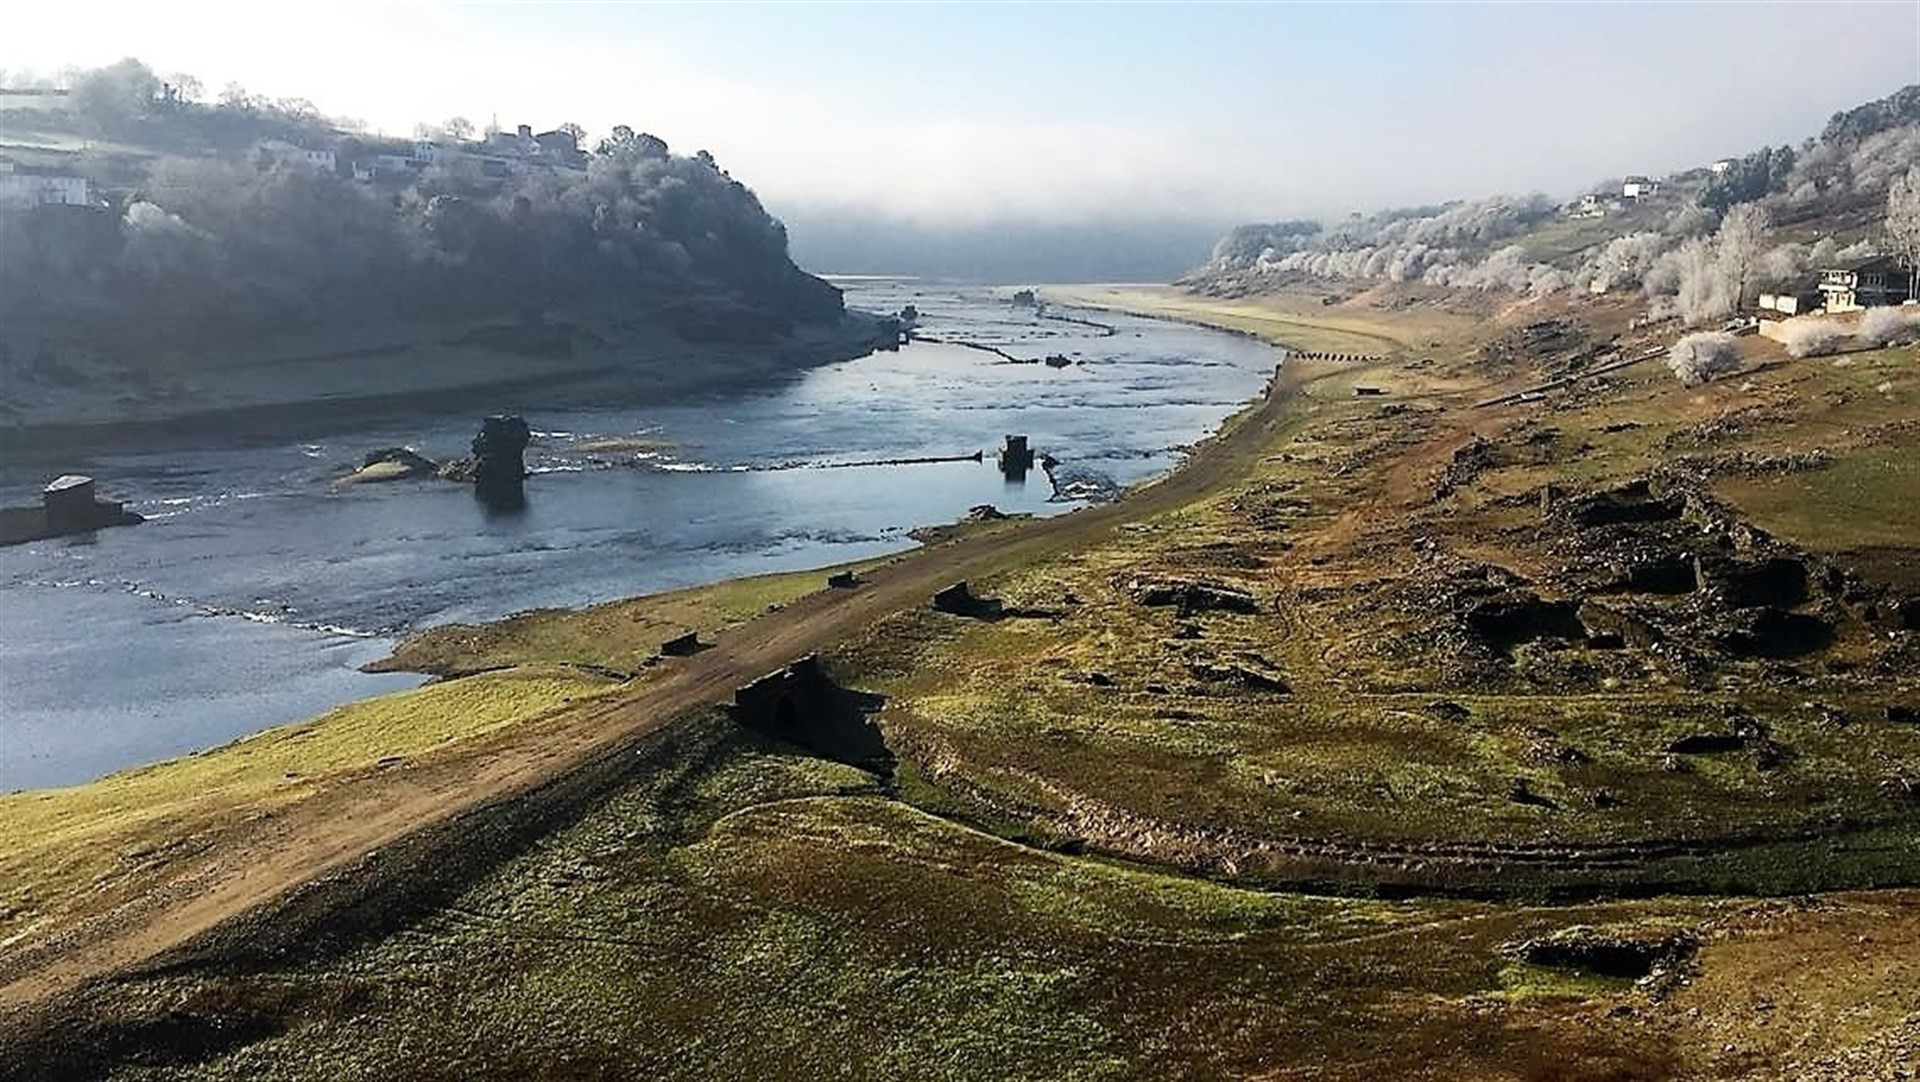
(56,844)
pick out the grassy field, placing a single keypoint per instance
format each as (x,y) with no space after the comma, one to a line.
(62,850)
(1289,322)
(619,636)
(108,838)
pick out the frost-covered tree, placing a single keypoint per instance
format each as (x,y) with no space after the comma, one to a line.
(1710,278)
(1811,336)
(1738,247)
(1699,358)
(1886,326)
(1903,225)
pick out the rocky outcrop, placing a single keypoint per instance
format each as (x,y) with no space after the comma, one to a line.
(392,464)
(1191,597)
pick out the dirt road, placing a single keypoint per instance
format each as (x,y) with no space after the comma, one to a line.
(262,859)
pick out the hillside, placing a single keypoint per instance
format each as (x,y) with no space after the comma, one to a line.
(1665,239)
(151,245)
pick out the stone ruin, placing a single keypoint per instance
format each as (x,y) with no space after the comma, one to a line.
(802,705)
(499,470)
(1015,458)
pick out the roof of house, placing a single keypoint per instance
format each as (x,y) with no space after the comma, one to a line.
(68,480)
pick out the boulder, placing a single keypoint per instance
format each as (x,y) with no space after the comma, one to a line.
(392,464)
(1192,596)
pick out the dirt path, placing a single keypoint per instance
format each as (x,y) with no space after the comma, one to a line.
(259,860)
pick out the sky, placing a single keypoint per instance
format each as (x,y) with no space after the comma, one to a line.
(958,115)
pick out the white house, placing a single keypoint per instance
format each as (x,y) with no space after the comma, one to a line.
(1638,187)
(1720,167)
(1588,206)
(27,186)
(281,150)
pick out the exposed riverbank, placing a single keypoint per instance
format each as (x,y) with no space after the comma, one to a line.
(1230,748)
(314,383)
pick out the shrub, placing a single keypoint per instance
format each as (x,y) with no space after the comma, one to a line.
(1700,357)
(1885,326)
(1811,337)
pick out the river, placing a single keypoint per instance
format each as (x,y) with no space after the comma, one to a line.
(257,588)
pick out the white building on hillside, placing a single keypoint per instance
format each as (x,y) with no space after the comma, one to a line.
(23,185)
(322,159)
(1638,187)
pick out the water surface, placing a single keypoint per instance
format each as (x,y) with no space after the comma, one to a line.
(256,589)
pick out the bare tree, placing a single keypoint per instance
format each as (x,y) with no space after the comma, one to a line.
(185,87)
(458,128)
(1903,225)
(234,96)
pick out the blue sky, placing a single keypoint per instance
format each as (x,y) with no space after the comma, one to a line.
(961,113)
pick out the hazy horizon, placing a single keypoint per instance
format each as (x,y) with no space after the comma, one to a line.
(971,120)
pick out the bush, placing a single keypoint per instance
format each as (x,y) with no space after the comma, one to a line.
(1885,326)
(1811,337)
(1700,357)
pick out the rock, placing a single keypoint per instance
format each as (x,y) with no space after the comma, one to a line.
(1707,744)
(1192,596)
(1507,620)
(1520,792)
(959,600)
(392,464)
(1608,952)
(1773,633)
(1247,678)
(1631,502)
(1545,748)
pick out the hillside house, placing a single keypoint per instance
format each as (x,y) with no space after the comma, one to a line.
(561,148)
(1793,303)
(321,159)
(518,143)
(1589,206)
(22,185)
(1720,168)
(1638,187)
(1871,282)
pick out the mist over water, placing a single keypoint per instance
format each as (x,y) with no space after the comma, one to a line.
(256,589)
